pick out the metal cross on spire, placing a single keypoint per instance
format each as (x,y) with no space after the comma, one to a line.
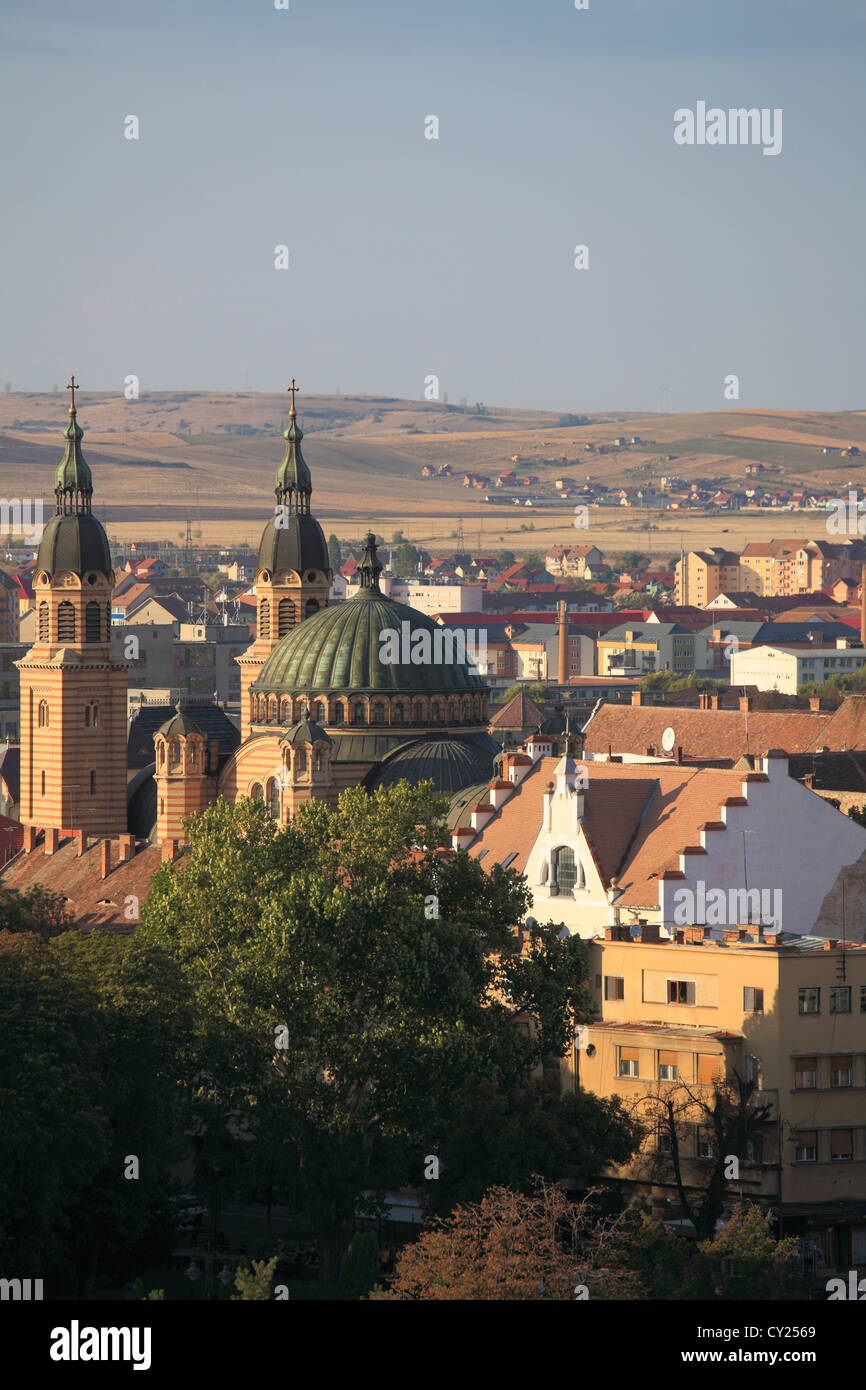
(73,387)
(293,389)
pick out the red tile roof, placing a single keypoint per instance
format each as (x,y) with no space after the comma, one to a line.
(721,735)
(81,882)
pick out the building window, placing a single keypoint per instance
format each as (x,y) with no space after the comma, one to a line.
(753,1000)
(614,987)
(681,991)
(397,714)
(806,1147)
(43,781)
(66,622)
(841,1145)
(339,712)
(664,1143)
(91,716)
(312,606)
(755,1149)
(43,622)
(629,1064)
(318,763)
(840,999)
(703,1146)
(92,623)
(753,1070)
(809,1000)
(358,714)
(256,792)
(564,870)
(319,714)
(43,714)
(842,1071)
(273,798)
(301,760)
(805,1073)
(92,783)
(378,713)
(192,755)
(264,618)
(709,1068)
(863,999)
(286,616)
(668,1066)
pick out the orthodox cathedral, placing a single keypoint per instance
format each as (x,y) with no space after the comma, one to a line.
(320,711)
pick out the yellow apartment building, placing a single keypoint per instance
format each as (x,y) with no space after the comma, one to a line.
(788,1013)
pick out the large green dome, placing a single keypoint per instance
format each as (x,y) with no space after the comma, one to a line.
(450,763)
(338,649)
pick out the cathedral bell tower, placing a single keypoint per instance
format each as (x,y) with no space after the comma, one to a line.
(73,690)
(293,574)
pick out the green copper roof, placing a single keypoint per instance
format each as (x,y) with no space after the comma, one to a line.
(180,723)
(74,542)
(73,472)
(305,731)
(450,763)
(297,544)
(338,649)
(293,472)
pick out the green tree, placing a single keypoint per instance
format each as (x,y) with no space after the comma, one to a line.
(254,1283)
(334,559)
(745,1261)
(406,559)
(505,559)
(348,978)
(361,1270)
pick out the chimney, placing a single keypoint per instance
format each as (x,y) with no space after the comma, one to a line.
(637,697)
(52,840)
(745,702)
(170,851)
(562,660)
(703,700)
(105,854)
(649,932)
(80,837)
(714,702)
(815,703)
(126,844)
(29,841)
(679,753)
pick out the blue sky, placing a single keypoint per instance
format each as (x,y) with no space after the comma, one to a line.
(452,257)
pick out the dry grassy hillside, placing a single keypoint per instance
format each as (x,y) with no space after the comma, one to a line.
(211,456)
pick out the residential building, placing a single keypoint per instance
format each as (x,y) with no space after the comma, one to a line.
(787,668)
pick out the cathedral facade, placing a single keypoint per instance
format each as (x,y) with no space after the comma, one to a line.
(321,710)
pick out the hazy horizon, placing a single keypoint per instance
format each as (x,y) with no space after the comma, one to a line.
(453,258)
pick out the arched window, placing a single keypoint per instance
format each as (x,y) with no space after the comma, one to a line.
(312,607)
(318,759)
(43,714)
(273,798)
(256,792)
(287,616)
(92,622)
(263,709)
(564,869)
(285,711)
(272,710)
(264,618)
(160,757)
(339,712)
(173,753)
(378,713)
(43,622)
(301,760)
(418,713)
(397,713)
(192,755)
(66,622)
(91,716)
(435,712)
(358,714)
(319,714)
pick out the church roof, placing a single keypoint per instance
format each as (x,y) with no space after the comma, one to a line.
(211,720)
(451,764)
(340,649)
(182,723)
(298,544)
(73,539)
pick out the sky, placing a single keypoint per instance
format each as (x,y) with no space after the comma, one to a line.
(454,258)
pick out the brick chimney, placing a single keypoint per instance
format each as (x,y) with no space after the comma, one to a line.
(105,858)
(649,932)
(637,697)
(562,657)
(745,702)
(815,703)
(80,837)
(171,848)
(52,839)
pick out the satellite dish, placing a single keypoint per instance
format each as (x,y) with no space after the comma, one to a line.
(669,738)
